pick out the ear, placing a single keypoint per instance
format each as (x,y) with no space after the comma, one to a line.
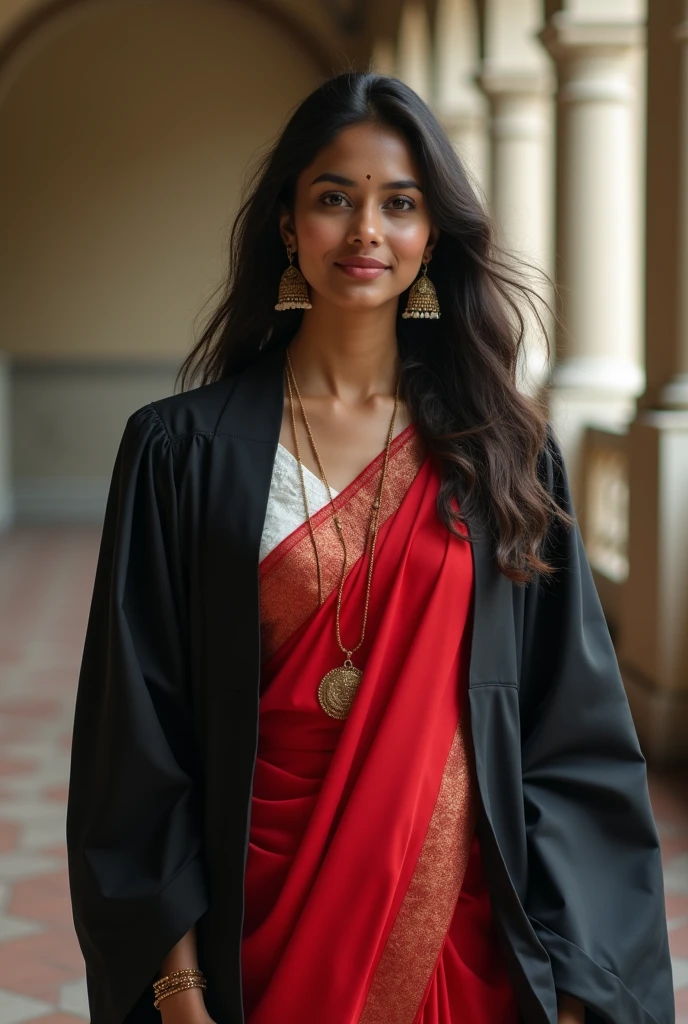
(431,242)
(286,227)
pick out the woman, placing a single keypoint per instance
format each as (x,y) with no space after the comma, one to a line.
(351,743)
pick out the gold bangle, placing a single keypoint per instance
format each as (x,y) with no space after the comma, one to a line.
(187,981)
(178,974)
(177,981)
(173,987)
(174,976)
(182,986)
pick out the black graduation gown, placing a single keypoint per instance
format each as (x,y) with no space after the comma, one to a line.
(166,724)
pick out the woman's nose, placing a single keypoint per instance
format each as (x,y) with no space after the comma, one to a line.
(366,226)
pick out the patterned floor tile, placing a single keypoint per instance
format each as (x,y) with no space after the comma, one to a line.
(17,927)
(9,835)
(682,1002)
(44,899)
(57,1018)
(676,875)
(74,998)
(680,973)
(25,864)
(14,1009)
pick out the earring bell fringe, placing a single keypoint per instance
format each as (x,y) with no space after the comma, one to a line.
(293,290)
(422,301)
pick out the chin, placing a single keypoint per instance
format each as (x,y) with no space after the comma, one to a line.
(362,303)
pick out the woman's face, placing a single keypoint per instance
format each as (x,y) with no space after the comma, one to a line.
(360,200)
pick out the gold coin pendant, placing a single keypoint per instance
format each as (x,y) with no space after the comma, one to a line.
(337,691)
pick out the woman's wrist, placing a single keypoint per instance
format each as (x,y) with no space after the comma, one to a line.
(186,1006)
(571,1011)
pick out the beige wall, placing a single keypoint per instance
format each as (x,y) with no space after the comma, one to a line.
(126,126)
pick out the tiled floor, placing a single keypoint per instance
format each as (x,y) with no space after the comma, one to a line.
(46,576)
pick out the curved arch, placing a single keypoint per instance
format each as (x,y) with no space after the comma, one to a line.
(35,19)
(132,132)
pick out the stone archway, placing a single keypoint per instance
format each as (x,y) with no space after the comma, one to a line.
(22,20)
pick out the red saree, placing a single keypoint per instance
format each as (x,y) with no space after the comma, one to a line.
(365,899)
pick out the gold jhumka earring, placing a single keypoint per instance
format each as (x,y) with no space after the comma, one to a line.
(293,287)
(422,301)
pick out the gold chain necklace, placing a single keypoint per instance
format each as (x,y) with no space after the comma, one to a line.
(338,687)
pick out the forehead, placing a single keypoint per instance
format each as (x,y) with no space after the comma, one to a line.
(366,149)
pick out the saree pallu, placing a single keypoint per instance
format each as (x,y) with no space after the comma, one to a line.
(365,898)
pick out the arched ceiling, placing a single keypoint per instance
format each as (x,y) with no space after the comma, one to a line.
(334,33)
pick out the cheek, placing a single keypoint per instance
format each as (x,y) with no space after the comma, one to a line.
(318,234)
(408,240)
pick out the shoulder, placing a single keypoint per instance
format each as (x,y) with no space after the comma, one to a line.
(190,413)
(241,402)
(193,412)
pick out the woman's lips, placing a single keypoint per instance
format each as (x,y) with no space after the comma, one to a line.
(364,268)
(362,273)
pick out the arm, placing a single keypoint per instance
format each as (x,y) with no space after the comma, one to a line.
(133,819)
(186,1007)
(571,1011)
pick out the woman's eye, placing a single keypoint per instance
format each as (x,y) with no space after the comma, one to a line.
(401,200)
(338,199)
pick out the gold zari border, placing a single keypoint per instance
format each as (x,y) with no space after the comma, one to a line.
(415,943)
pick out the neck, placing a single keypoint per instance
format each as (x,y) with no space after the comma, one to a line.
(350,355)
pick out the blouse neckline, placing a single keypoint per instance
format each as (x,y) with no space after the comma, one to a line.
(308,472)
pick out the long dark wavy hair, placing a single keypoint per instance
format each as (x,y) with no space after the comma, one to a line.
(458,373)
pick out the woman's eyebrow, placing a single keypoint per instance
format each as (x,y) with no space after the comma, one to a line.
(338,179)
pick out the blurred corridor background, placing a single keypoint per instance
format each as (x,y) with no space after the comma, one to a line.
(127,128)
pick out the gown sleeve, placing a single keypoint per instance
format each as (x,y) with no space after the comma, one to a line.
(595,893)
(133,831)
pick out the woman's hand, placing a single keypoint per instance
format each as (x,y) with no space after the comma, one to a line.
(571,1011)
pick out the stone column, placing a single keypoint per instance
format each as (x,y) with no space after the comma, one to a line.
(460,105)
(653,630)
(522,178)
(598,374)
(675,391)
(413,49)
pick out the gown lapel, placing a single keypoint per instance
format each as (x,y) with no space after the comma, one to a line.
(227,656)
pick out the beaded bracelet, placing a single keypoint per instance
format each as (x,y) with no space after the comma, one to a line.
(177,981)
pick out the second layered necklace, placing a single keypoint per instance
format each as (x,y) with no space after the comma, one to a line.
(338,687)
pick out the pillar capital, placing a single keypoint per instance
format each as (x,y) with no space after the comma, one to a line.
(518,99)
(592,58)
(565,36)
(498,80)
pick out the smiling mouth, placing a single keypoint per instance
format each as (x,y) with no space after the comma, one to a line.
(361,267)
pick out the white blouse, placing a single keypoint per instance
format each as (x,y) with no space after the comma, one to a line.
(285,511)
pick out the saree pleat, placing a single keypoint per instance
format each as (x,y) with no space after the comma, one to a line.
(364,893)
